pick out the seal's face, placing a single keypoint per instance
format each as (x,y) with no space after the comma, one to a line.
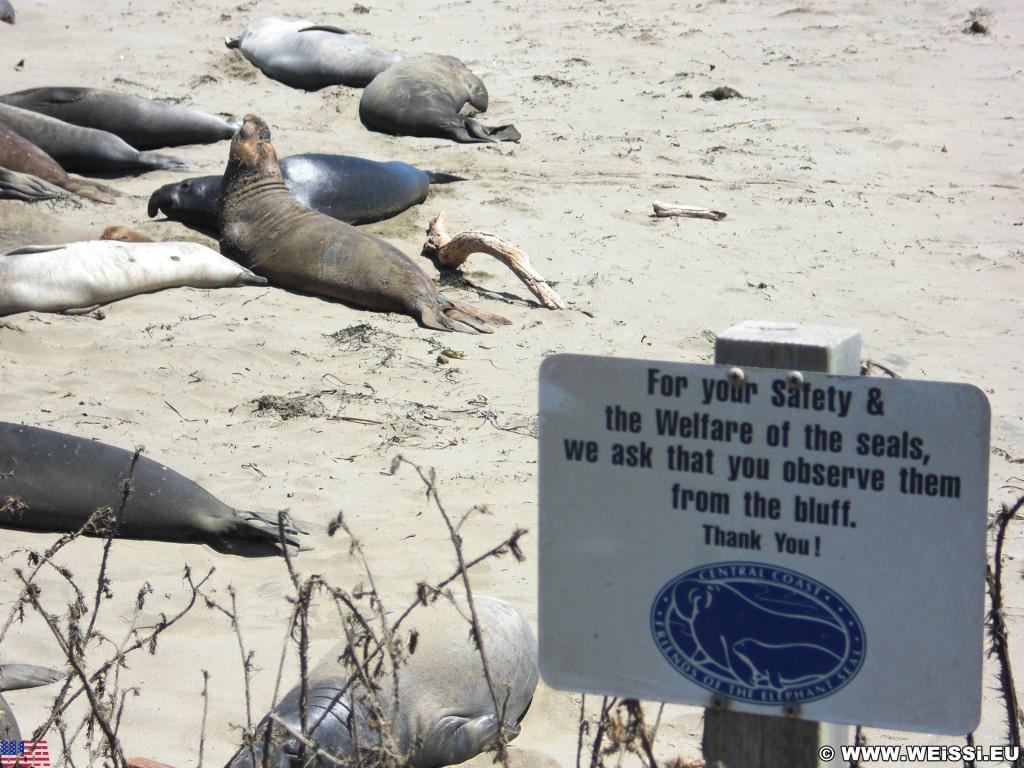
(251,144)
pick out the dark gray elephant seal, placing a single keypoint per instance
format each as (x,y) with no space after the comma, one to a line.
(83,150)
(444,712)
(16,677)
(424,96)
(350,189)
(263,227)
(6,11)
(52,481)
(143,123)
(310,56)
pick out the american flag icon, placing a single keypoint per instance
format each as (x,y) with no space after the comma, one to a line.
(24,753)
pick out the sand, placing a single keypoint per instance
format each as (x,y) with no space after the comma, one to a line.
(871,173)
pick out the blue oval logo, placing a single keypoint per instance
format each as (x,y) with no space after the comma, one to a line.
(758,633)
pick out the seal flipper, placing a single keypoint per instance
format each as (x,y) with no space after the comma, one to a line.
(36,249)
(439,177)
(458,738)
(253,525)
(92,190)
(479,314)
(250,278)
(162,162)
(442,314)
(326,28)
(80,310)
(498,133)
(15,677)
(64,95)
(27,188)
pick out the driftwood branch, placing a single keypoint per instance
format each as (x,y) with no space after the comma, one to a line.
(667,210)
(453,251)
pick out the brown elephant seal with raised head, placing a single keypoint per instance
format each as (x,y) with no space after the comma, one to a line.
(263,227)
(424,96)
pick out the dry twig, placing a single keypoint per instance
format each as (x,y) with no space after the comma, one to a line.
(998,630)
(668,210)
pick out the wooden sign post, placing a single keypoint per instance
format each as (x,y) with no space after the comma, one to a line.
(736,739)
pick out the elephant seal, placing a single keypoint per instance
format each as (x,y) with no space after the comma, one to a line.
(784,665)
(78,277)
(79,149)
(424,96)
(17,154)
(444,711)
(143,123)
(351,189)
(263,227)
(16,677)
(52,481)
(125,235)
(310,56)
(6,11)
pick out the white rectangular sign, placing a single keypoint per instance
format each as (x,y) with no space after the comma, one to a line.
(814,548)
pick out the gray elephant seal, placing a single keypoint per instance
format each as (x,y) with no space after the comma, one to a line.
(424,96)
(444,712)
(83,150)
(6,11)
(350,189)
(16,677)
(78,277)
(22,156)
(51,481)
(310,56)
(143,123)
(263,227)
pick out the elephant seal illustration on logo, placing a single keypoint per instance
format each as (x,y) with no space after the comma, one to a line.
(757,632)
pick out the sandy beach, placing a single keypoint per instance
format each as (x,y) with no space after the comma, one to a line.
(871,173)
